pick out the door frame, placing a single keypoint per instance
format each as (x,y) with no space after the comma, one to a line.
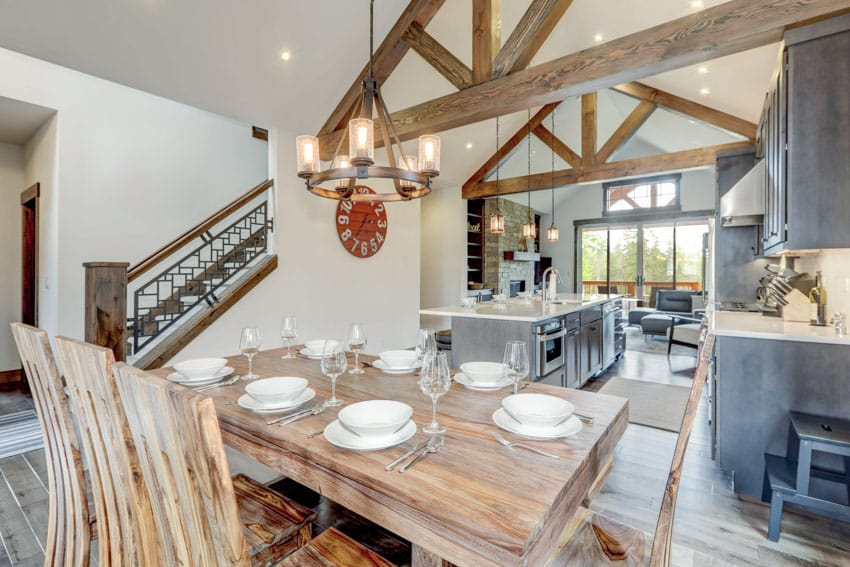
(30,201)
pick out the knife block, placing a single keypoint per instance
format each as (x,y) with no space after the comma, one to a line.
(798,308)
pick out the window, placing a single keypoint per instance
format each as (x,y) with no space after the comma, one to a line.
(642,195)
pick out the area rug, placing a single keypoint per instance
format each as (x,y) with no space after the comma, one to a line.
(655,405)
(654,345)
(19,433)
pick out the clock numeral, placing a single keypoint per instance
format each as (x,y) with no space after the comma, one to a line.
(364,249)
(346,234)
(343,219)
(373,244)
(354,245)
(347,205)
(379,209)
(379,236)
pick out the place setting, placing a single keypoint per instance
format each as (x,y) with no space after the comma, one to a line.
(398,362)
(276,394)
(200,373)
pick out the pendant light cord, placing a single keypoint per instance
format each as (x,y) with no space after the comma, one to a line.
(528,178)
(371,38)
(498,165)
(553,168)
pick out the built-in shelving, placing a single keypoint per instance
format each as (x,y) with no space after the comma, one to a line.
(475,240)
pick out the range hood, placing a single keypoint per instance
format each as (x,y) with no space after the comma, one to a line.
(743,204)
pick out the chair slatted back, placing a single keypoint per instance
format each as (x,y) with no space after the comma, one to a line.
(68,531)
(662,543)
(181,453)
(125,527)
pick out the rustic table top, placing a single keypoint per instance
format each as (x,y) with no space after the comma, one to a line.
(474,502)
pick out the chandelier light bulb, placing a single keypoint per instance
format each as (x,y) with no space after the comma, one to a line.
(361,147)
(307,149)
(429,154)
(552,233)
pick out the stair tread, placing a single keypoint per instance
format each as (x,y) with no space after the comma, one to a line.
(829,430)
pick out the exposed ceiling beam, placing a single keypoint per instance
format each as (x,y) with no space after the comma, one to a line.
(674,161)
(626,130)
(486,38)
(387,57)
(438,56)
(589,121)
(505,150)
(724,29)
(529,35)
(559,147)
(689,107)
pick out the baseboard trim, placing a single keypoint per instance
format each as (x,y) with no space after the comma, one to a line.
(10,376)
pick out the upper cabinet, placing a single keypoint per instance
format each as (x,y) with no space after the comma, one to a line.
(804,138)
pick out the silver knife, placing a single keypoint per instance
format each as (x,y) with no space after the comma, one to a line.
(433,446)
(392,465)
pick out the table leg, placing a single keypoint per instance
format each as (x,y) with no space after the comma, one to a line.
(420,557)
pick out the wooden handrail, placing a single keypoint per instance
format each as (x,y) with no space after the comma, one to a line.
(143,266)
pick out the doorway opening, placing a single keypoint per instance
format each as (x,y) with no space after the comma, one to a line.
(29,262)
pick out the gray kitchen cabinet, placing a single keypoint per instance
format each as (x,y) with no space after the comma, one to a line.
(803,137)
(590,344)
(572,371)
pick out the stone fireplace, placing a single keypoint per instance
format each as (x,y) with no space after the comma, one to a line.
(498,272)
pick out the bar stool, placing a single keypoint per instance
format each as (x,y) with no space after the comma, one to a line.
(788,479)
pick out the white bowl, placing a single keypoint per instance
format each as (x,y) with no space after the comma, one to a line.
(375,418)
(484,372)
(200,367)
(538,410)
(399,358)
(315,347)
(277,389)
(468,302)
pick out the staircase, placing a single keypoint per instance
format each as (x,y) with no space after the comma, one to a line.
(182,288)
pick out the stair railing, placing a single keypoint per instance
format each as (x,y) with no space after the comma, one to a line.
(162,300)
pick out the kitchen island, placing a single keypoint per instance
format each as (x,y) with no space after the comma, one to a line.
(569,339)
(764,369)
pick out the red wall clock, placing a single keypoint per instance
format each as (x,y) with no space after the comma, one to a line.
(362,227)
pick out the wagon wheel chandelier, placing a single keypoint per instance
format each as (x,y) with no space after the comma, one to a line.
(411,176)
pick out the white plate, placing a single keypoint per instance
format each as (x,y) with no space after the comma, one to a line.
(310,355)
(221,374)
(506,422)
(250,403)
(382,366)
(336,434)
(463,379)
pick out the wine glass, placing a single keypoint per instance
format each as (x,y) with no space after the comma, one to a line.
(334,363)
(426,342)
(435,380)
(250,344)
(288,332)
(516,360)
(356,342)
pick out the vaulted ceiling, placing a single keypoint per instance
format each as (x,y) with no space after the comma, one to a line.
(225,56)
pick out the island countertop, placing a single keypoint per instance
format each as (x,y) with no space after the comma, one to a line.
(757,326)
(523,310)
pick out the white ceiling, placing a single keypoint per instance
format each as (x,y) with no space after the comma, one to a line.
(225,56)
(20,120)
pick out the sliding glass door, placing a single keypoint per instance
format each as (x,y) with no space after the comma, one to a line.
(638,259)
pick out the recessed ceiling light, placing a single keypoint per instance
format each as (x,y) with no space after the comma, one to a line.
(696,3)
(286,55)
(597,37)
(704,91)
(702,70)
(692,121)
(469,145)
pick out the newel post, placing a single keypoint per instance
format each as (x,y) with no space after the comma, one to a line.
(106,305)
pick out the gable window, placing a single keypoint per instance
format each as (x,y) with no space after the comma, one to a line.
(645,195)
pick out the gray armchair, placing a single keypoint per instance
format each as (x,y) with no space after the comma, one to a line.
(670,306)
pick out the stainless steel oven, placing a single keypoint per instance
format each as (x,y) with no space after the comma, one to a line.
(549,338)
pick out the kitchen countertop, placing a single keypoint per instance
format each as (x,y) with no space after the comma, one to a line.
(522,310)
(757,326)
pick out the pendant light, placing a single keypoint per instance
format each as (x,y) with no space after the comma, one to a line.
(529,229)
(497,219)
(411,177)
(552,231)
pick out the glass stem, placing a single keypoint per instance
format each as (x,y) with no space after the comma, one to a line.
(516,386)
(288,348)
(250,365)
(333,388)
(357,359)
(434,412)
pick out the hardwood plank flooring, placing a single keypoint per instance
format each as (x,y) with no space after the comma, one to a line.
(714,527)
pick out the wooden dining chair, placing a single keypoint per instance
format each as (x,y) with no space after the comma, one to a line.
(592,539)
(125,527)
(69,524)
(203,517)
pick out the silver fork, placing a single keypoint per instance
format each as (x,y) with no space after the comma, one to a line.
(227,382)
(283,420)
(434,445)
(510,444)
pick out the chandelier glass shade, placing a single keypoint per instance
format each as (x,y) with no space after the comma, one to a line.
(411,175)
(529,228)
(552,232)
(497,219)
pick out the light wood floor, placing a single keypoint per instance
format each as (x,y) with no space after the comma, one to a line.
(713,526)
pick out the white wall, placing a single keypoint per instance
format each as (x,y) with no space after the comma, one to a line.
(697,190)
(11,185)
(444,278)
(835,265)
(132,172)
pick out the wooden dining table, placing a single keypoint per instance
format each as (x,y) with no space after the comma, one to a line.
(474,502)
